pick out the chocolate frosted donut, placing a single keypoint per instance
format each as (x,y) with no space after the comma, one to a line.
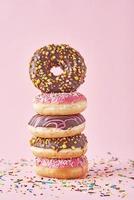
(66,147)
(78,141)
(56,126)
(68,59)
(62,122)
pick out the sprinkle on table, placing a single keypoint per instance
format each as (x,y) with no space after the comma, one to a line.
(107,177)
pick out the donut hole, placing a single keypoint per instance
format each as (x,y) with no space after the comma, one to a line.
(56,71)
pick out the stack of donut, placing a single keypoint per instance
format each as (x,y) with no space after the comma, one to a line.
(58,142)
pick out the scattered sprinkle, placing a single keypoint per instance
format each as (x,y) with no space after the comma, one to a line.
(107,177)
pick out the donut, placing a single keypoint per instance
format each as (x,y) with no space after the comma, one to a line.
(50,57)
(59,103)
(62,168)
(65,147)
(56,126)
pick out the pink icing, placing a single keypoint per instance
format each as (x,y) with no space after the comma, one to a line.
(59,98)
(61,163)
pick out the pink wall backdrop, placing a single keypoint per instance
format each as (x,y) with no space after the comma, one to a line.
(103,31)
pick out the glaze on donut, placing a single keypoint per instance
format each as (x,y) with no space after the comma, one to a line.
(56,126)
(63,122)
(59,103)
(62,168)
(63,56)
(59,98)
(58,144)
(61,163)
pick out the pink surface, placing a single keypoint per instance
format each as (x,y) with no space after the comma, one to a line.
(108,177)
(103,31)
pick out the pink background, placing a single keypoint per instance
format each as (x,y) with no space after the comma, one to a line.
(103,31)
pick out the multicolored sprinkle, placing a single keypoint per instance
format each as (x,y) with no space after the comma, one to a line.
(108,177)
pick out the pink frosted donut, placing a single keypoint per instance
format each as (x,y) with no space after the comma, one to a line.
(59,103)
(61,163)
(59,98)
(62,168)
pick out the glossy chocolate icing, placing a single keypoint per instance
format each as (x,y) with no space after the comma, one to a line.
(62,122)
(73,142)
(63,56)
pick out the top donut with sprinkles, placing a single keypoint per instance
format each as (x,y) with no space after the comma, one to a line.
(57,57)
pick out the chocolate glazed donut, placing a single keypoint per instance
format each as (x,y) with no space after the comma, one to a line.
(58,144)
(68,59)
(62,122)
(56,126)
(65,147)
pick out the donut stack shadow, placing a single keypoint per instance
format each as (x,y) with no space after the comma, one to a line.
(58,142)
